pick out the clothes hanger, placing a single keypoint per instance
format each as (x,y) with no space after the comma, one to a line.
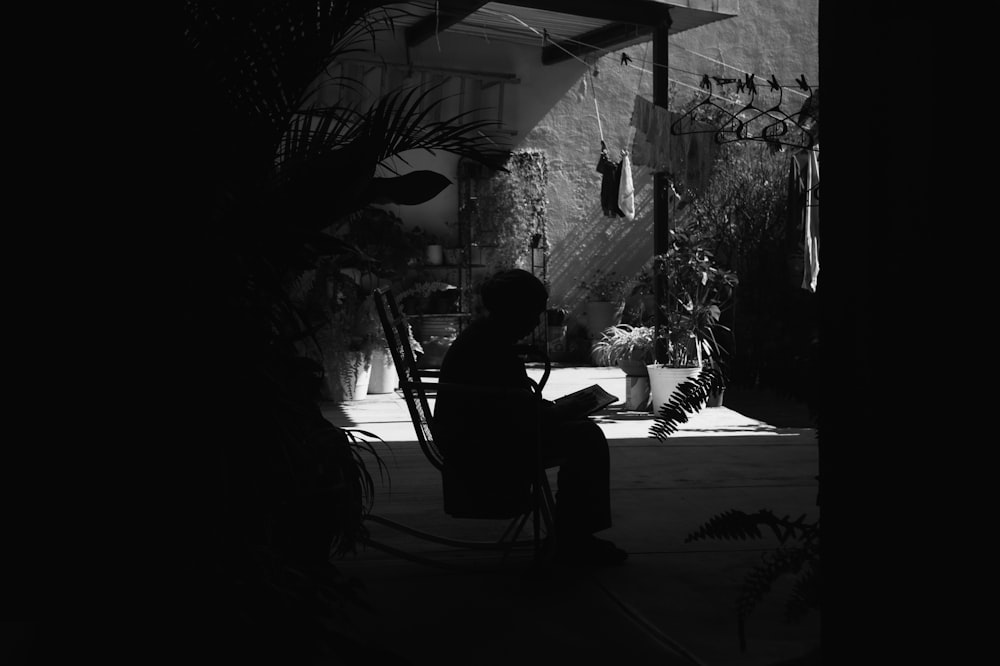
(779,132)
(677,129)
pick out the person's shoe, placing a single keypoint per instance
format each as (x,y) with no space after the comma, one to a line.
(589,551)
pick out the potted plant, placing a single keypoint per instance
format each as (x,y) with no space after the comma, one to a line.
(555,333)
(605,292)
(384,378)
(631,348)
(697,292)
(435,304)
(348,340)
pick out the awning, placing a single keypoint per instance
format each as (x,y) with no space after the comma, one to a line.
(574,27)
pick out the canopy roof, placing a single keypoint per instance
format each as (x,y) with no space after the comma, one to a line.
(574,27)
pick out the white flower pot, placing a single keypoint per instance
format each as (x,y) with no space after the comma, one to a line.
(383,375)
(663,381)
(347,375)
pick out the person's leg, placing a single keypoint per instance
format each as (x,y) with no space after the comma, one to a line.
(583,498)
(583,494)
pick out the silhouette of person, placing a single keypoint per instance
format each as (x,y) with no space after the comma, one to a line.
(489,439)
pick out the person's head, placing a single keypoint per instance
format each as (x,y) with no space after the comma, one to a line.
(514,299)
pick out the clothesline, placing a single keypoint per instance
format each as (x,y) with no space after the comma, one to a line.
(543,35)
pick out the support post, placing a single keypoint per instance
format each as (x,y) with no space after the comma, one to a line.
(661,185)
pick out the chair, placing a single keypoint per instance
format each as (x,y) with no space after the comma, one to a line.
(415,385)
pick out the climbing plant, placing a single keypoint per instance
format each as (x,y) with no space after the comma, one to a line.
(513,208)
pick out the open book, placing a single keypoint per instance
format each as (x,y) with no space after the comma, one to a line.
(584,402)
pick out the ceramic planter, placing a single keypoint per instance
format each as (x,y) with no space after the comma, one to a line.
(383,377)
(637,394)
(633,368)
(347,375)
(664,380)
(436,333)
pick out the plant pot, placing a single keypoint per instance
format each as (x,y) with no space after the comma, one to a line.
(347,375)
(600,315)
(435,255)
(633,368)
(556,342)
(436,333)
(637,394)
(715,399)
(664,380)
(383,374)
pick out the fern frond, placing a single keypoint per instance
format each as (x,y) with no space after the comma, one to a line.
(805,594)
(758,582)
(736,524)
(731,525)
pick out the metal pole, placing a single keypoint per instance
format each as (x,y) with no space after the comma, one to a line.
(661,217)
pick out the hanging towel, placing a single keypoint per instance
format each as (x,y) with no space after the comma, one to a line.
(610,182)
(803,219)
(811,272)
(626,191)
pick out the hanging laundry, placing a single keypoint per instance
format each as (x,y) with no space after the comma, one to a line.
(802,228)
(811,272)
(626,190)
(689,156)
(651,145)
(610,183)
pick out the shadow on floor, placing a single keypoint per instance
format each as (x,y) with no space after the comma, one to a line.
(769,406)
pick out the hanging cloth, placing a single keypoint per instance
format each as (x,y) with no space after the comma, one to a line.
(811,235)
(803,219)
(610,183)
(651,144)
(626,190)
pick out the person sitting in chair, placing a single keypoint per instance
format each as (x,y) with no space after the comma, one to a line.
(489,438)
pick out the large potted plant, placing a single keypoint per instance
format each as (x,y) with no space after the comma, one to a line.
(631,348)
(698,291)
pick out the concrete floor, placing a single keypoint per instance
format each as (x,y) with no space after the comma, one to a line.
(670,603)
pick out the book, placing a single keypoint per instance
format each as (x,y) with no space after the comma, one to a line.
(585,402)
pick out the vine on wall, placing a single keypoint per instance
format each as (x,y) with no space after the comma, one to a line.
(513,209)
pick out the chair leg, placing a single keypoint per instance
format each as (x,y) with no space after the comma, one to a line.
(515,526)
